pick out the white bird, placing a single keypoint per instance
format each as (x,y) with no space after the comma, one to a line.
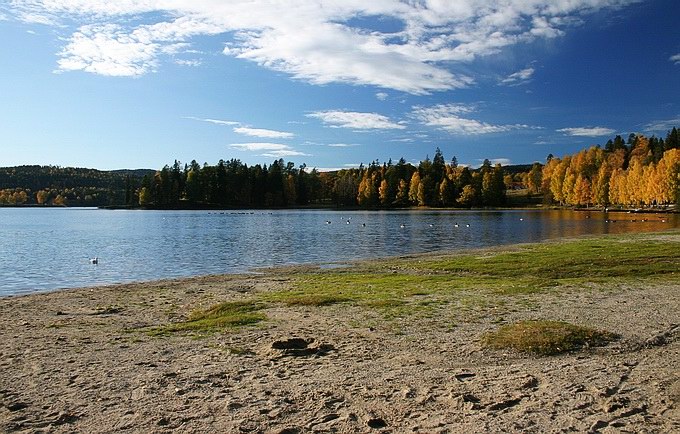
(94,260)
(456,225)
(467,225)
(402,226)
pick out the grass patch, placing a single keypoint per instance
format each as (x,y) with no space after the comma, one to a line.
(226,315)
(546,338)
(313,299)
(397,286)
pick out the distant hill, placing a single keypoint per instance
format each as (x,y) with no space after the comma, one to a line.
(517,168)
(73,186)
(139,173)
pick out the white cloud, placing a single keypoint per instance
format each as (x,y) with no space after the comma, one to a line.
(184,62)
(342,145)
(663,125)
(315,41)
(382,96)
(213,121)
(447,117)
(675,59)
(587,131)
(519,77)
(501,161)
(108,50)
(260,132)
(3,17)
(270,150)
(356,120)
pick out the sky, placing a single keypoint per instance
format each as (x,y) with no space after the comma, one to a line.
(330,83)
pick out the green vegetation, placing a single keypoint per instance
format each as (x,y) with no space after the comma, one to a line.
(442,286)
(216,318)
(522,270)
(546,337)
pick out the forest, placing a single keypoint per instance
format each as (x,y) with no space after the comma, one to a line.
(61,186)
(637,172)
(234,184)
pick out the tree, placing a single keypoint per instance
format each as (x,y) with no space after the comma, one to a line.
(42,197)
(401,198)
(144,197)
(414,186)
(535,178)
(467,196)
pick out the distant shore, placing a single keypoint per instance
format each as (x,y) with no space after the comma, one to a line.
(393,345)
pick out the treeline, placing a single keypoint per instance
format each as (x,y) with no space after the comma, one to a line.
(54,185)
(387,185)
(639,172)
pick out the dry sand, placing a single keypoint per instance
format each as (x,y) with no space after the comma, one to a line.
(79,361)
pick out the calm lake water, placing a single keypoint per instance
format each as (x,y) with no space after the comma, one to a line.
(47,249)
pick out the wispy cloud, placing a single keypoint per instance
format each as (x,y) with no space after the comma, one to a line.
(213,121)
(519,77)
(382,96)
(342,145)
(587,131)
(356,120)
(317,42)
(185,62)
(447,117)
(261,132)
(270,150)
(663,125)
(675,59)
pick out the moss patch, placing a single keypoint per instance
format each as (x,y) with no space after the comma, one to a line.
(219,317)
(546,337)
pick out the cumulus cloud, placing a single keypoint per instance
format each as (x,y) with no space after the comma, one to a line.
(447,117)
(519,77)
(587,131)
(675,59)
(261,132)
(382,96)
(270,150)
(108,50)
(356,120)
(317,41)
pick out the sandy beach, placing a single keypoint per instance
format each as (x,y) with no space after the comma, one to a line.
(84,361)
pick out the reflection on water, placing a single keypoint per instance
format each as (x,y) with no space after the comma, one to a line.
(44,249)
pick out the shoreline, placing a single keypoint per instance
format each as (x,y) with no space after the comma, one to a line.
(86,359)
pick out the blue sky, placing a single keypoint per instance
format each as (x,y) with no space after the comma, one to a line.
(132,84)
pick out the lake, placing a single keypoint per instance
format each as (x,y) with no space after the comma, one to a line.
(43,249)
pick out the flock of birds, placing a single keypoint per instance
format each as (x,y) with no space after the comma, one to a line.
(348,221)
